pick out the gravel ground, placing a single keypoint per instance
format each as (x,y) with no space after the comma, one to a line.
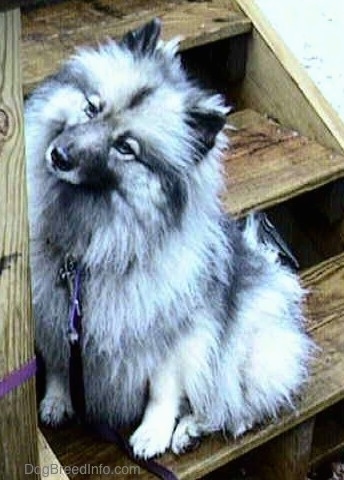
(313,30)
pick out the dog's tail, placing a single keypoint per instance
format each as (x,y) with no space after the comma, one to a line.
(260,233)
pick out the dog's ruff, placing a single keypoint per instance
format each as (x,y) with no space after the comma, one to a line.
(190,324)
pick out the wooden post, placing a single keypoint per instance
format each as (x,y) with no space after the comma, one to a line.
(18,422)
(287,456)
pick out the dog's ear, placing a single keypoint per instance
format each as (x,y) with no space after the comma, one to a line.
(206,124)
(144,39)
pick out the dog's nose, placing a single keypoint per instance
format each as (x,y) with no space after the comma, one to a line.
(60,159)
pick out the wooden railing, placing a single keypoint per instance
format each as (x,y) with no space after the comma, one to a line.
(18,421)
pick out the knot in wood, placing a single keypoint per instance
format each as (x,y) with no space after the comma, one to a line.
(4,123)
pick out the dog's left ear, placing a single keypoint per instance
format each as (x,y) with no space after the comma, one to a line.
(206,124)
(144,39)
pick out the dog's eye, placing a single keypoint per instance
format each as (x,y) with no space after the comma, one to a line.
(93,106)
(127,146)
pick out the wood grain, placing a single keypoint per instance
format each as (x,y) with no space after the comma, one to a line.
(328,437)
(48,462)
(50,34)
(303,103)
(287,456)
(267,164)
(269,89)
(326,282)
(325,388)
(18,423)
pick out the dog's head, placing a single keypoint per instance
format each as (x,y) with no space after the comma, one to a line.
(127,121)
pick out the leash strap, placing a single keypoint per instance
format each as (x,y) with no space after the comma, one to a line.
(76,374)
(71,274)
(17,377)
(111,435)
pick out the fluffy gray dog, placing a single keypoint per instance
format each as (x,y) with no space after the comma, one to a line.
(190,324)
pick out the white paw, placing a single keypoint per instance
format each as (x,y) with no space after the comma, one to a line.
(186,435)
(55,409)
(151,439)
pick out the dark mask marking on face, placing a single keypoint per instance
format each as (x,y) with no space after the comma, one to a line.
(172,183)
(139,97)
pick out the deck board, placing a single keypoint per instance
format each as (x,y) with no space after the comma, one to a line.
(296,71)
(50,34)
(267,164)
(328,439)
(325,308)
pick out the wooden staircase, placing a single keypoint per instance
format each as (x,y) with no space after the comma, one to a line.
(51,34)
(268,165)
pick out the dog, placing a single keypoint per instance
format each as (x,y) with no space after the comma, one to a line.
(191,324)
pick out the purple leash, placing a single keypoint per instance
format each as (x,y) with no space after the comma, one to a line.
(111,435)
(17,377)
(71,273)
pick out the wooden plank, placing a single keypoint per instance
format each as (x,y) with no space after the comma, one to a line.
(326,302)
(300,80)
(18,423)
(49,465)
(328,438)
(11,4)
(51,34)
(267,164)
(269,89)
(325,388)
(287,456)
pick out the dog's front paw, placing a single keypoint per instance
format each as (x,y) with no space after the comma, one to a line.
(151,440)
(187,435)
(55,409)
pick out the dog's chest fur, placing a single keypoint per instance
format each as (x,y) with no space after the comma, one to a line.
(125,333)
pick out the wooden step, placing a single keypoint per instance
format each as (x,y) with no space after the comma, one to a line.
(48,463)
(328,439)
(268,164)
(325,313)
(50,34)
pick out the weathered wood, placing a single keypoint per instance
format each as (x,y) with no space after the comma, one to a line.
(287,84)
(48,463)
(51,34)
(218,66)
(10,4)
(18,422)
(328,437)
(269,89)
(267,164)
(326,302)
(325,312)
(320,235)
(287,456)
